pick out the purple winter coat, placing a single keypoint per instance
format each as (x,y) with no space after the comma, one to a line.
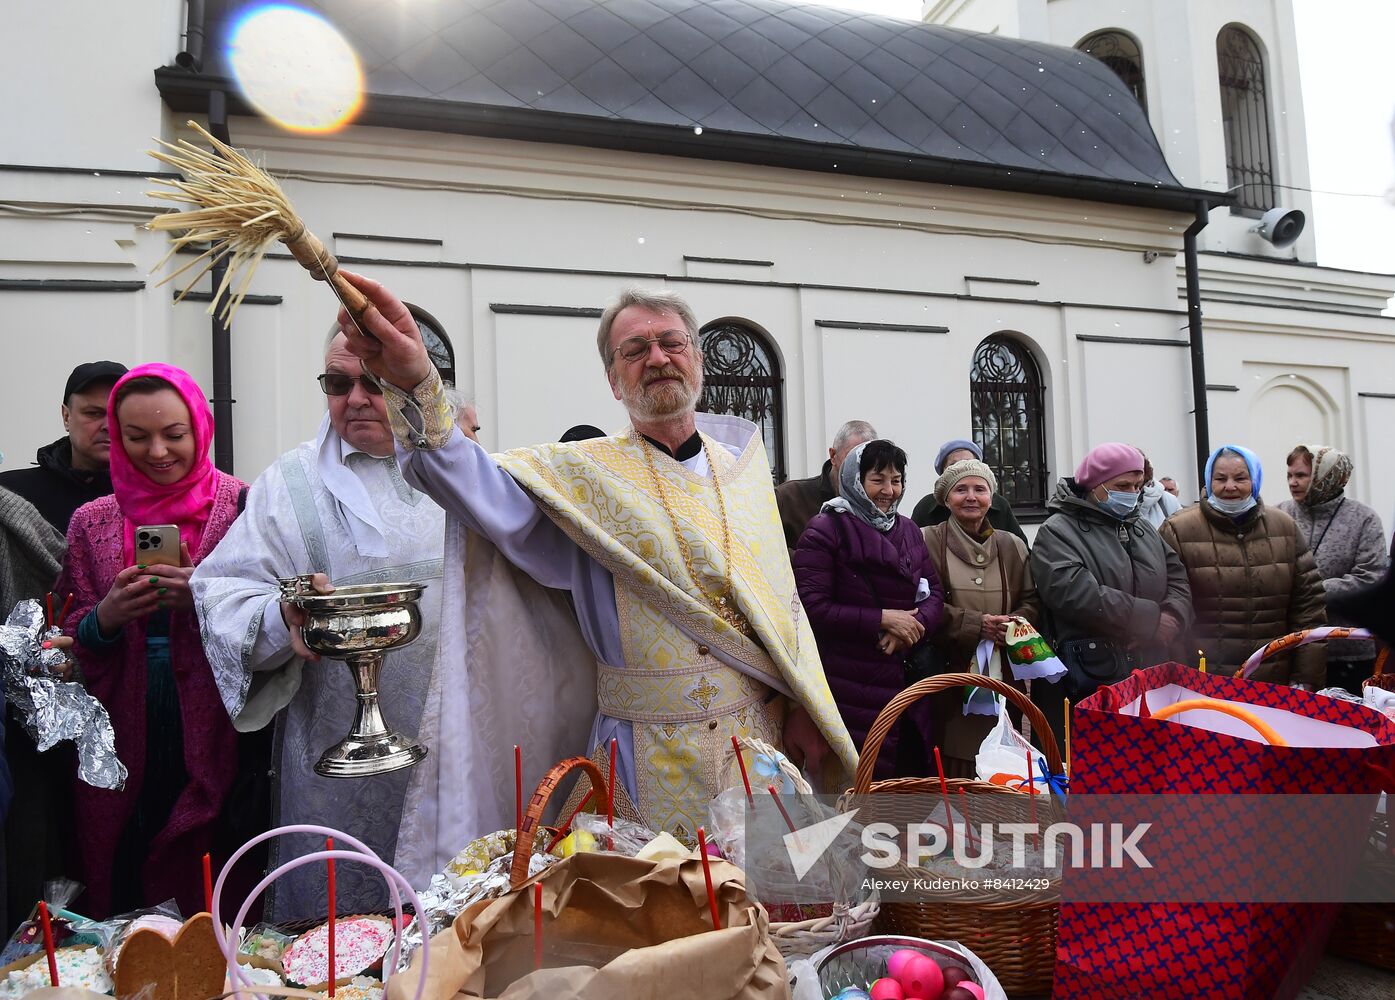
(847,572)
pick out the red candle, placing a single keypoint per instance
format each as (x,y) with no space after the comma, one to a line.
(968,823)
(774,794)
(208,883)
(48,944)
(944,794)
(745,778)
(537,925)
(333,967)
(707,875)
(562,830)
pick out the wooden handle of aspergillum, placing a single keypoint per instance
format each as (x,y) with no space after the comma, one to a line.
(311,254)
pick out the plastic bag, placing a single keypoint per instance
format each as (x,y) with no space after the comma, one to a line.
(28,938)
(1002,756)
(593,834)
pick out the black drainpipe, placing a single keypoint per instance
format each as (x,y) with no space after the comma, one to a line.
(1200,415)
(222,333)
(190,57)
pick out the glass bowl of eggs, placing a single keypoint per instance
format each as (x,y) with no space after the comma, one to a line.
(892,967)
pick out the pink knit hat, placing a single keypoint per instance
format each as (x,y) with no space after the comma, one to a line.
(1105,461)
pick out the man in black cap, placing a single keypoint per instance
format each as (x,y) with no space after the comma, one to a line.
(73,470)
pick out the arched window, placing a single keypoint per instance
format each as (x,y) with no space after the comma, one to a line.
(1009,404)
(741,375)
(1120,52)
(438,345)
(1249,152)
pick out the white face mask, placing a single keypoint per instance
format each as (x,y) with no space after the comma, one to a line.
(1233,507)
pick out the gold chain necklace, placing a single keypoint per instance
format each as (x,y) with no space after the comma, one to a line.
(723,602)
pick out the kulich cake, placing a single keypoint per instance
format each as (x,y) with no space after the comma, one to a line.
(359,988)
(257,976)
(359,944)
(166,927)
(81,966)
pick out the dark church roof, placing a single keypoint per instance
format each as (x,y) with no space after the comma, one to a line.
(756,81)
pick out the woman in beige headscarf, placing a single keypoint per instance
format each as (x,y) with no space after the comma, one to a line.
(1347,541)
(987,582)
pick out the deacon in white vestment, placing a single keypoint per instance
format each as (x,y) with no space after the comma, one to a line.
(668,540)
(336,505)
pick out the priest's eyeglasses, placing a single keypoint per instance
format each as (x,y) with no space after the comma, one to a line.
(337,384)
(671,342)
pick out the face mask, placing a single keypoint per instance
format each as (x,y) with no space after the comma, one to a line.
(1233,507)
(1118,504)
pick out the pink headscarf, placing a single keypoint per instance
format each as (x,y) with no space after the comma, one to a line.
(187,502)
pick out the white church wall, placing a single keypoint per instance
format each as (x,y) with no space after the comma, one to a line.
(95,60)
(1178,43)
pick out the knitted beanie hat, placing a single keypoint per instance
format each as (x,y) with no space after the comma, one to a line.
(1105,461)
(962,470)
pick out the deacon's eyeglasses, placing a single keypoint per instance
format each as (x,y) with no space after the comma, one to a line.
(336,384)
(671,343)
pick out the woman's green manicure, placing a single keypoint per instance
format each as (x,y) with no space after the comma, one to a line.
(154,579)
(162,590)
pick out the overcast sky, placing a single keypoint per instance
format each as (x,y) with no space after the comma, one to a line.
(1349,100)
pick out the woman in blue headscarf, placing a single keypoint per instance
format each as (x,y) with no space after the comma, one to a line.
(1251,574)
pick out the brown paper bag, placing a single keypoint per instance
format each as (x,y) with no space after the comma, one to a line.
(613,927)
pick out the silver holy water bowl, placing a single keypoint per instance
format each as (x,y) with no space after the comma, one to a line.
(358,625)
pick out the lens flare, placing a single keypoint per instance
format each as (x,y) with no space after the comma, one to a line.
(295,69)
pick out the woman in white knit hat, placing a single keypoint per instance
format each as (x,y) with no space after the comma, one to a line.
(987,581)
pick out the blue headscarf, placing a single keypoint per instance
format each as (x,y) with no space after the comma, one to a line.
(1251,463)
(955,445)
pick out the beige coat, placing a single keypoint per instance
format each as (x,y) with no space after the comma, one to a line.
(992,577)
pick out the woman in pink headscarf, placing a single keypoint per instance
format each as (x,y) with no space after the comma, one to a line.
(139,649)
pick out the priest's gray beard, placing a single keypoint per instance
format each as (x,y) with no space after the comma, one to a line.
(650,403)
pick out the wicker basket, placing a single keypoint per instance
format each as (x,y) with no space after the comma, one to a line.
(1016,938)
(537,804)
(804,937)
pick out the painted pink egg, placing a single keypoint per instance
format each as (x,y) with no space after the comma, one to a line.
(965,991)
(921,977)
(887,989)
(897,961)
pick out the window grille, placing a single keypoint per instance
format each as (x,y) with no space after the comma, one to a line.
(1009,418)
(438,345)
(741,374)
(1249,151)
(1120,52)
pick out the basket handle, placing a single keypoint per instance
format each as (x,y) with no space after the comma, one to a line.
(867,761)
(1300,638)
(532,815)
(1268,732)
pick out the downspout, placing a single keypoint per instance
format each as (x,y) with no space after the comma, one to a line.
(191,56)
(222,334)
(1200,414)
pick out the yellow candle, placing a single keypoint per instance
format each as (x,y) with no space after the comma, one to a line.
(1067,737)
(1203,661)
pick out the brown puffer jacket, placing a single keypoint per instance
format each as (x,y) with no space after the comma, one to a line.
(1251,582)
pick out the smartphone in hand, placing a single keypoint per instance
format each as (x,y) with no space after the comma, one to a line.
(157,544)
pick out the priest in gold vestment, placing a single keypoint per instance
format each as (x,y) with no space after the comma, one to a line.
(668,539)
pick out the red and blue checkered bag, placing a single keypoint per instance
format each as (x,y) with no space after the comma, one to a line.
(1237,950)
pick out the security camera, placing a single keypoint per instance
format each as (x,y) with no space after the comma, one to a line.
(1281,226)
